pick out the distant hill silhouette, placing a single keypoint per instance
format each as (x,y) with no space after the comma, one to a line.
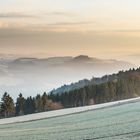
(33,75)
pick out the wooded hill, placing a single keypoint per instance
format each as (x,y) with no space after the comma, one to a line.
(113,87)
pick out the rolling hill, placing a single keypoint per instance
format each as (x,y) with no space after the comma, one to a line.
(115,122)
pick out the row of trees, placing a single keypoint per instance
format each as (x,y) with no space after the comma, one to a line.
(25,106)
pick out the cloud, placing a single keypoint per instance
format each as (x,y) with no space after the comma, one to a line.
(53,26)
(16,15)
(37,15)
(12,25)
(73,23)
(60,14)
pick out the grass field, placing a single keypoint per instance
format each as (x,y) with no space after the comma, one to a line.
(112,123)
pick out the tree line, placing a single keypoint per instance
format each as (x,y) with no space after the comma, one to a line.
(24,106)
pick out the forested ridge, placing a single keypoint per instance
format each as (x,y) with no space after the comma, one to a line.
(114,87)
(122,85)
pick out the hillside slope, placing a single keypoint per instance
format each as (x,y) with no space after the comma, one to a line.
(117,122)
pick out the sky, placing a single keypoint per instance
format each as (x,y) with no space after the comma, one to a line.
(107,29)
(44,28)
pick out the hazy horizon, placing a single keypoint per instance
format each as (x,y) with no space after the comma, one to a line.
(51,28)
(103,29)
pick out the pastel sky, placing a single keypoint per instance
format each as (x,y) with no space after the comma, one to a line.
(99,28)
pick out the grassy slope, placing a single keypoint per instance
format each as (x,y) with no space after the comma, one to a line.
(62,112)
(118,122)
